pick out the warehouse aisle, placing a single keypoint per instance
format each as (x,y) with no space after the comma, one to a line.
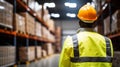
(51,61)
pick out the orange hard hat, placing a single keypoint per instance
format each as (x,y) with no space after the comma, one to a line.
(87,13)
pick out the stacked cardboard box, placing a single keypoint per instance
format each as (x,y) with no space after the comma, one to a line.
(29,23)
(46,15)
(51,25)
(58,39)
(44,32)
(38,52)
(26,53)
(116,59)
(19,23)
(50,36)
(6,14)
(107,25)
(44,53)
(7,55)
(39,13)
(38,29)
(48,48)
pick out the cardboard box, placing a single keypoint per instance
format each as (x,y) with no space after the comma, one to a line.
(38,52)
(39,13)
(58,32)
(29,23)
(44,53)
(19,23)
(6,14)
(38,29)
(7,55)
(46,15)
(26,53)
(44,32)
(51,25)
(48,48)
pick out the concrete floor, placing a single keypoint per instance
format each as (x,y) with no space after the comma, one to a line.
(51,61)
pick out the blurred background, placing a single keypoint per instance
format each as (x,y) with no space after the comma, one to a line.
(32,32)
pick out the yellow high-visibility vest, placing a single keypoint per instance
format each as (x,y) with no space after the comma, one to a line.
(86,49)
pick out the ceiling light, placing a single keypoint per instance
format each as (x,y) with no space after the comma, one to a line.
(2,0)
(56,15)
(1,7)
(72,15)
(70,5)
(50,5)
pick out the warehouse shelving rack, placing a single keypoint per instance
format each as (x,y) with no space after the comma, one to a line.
(18,39)
(112,6)
(10,37)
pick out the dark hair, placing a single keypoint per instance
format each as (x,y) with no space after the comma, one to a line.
(86,25)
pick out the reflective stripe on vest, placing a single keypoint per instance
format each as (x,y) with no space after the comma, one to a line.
(76,57)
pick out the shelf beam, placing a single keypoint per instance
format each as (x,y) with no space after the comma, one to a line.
(114,35)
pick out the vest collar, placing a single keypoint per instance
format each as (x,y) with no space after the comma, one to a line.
(86,29)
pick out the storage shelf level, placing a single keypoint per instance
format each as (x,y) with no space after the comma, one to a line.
(25,36)
(31,12)
(114,35)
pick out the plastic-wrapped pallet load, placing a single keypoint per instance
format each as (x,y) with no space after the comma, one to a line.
(7,55)
(107,25)
(19,23)
(26,53)
(6,11)
(29,23)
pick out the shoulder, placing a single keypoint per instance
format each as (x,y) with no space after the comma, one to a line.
(68,42)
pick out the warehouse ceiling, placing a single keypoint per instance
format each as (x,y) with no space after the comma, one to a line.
(62,12)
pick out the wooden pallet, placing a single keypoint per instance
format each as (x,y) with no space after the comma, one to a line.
(26,62)
(20,32)
(6,27)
